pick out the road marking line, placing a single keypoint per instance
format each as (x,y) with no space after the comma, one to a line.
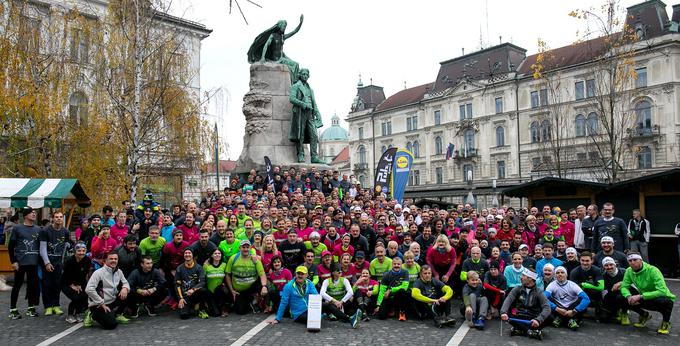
(458,337)
(53,339)
(249,335)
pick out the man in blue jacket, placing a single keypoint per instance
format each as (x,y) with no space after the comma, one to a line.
(295,294)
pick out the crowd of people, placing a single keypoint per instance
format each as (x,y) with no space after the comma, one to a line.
(258,247)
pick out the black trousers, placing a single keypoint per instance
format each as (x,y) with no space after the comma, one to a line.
(243,299)
(51,289)
(424,310)
(189,309)
(274,297)
(523,315)
(216,300)
(330,308)
(108,319)
(397,301)
(302,318)
(662,305)
(78,302)
(364,303)
(32,284)
(578,316)
(134,299)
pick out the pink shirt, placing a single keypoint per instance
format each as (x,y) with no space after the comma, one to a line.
(281,278)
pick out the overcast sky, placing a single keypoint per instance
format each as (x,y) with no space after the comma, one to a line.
(389,42)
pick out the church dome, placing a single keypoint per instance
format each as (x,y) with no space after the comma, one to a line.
(335,132)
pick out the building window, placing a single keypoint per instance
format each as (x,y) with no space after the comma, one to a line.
(644,157)
(581,156)
(361,132)
(500,169)
(580,125)
(535,162)
(468,172)
(409,147)
(80,47)
(389,127)
(412,123)
(438,146)
(77,108)
(416,149)
(414,178)
(643,113)
(469,142)
(362,154)
(465,111)
(439,175)
(592,124)
(590,88)
(383,149)
(543,93)
(500,136)
(437,117)
(535,132)
(362,180)
(546,130)
(579,91)
(386,128)
(641,77)
(499,105)
(534,99)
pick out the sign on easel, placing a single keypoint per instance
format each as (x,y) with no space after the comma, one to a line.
(314,313)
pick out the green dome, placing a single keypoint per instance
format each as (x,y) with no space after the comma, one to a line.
(335,132)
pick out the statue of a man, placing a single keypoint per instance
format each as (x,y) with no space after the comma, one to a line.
(268,46)
(306,118)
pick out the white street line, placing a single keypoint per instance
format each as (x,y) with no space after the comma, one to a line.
(249,335)
(53,339)
(457,338)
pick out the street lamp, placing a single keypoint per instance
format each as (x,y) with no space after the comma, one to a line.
(470,199)
(494,202)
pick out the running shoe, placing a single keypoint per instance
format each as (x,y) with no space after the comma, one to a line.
(642,321)
(57,311)
(31,311)
(479,323)
(71,319)
(535,334)
(665,328)
(517,332)
(572,324)
(122,319)
(402,316)
(49,311)
(14,314)
(150,310)
(203,315)
(366,318)
(625,320)
(354,319)
(557,322)
(332,317)
(134,312)
(438,321)
(79,318)
(87,321)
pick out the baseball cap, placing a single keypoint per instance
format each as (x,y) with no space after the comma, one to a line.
(26,210)
(523,246)
(326,253)
(301,269)
(245,242)
(406,210)
(314,235)
(492,230)
(359,254)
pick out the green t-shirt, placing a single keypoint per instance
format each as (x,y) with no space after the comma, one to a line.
(413,272)
(317,250)
(153,249)
(242,219)
(244,272)
(377,269)
(214,276)
(229,250)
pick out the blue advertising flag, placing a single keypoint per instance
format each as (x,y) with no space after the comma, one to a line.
(403,160)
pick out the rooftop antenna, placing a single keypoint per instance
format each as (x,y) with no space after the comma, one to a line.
(404,84)
(371,80)
(500,39)
(462,51)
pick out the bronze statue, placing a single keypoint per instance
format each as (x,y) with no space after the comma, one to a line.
(306,118)
(268,46)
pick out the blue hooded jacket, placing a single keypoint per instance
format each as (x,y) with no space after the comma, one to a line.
(290,296)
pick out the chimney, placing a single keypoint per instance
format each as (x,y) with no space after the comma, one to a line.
(676,13)
(462,50)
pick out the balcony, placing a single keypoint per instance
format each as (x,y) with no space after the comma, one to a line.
(358,167)
(643,133)
(465,155)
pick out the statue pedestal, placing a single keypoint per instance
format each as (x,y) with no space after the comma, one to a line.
(268,112)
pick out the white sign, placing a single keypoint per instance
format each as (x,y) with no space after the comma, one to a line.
(314,313)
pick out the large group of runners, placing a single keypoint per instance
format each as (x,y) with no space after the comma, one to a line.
(259,248)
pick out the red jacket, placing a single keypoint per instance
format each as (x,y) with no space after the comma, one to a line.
(189,234)
(118,233)
(174,254)
(435,259)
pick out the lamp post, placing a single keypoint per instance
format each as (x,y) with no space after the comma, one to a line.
(470,199)
(494,202)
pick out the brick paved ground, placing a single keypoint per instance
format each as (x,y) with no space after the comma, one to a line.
(168,329)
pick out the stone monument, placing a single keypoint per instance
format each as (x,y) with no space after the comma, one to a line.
(267,106)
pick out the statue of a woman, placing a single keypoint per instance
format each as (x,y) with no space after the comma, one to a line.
(268,46)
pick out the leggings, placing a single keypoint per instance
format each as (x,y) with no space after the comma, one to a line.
(243,299)
(32,282)
(425,310)
(330,308)
(216,300)
(397,301)
(50,286)
(198,297)
(78,300)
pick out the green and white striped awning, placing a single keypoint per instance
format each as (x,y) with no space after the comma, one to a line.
(39,193)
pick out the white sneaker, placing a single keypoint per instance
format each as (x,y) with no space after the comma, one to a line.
(71,319)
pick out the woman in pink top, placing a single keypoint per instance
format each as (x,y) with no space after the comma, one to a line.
(567,228)
(267,252)
(278,277)
(102,245)
(302,229)
(442,258)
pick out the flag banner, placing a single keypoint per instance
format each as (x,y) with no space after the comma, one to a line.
(403,160)
(270,172)
(449,151)
(383,172)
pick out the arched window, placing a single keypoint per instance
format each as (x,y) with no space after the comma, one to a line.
(592,123)
(546,130)
(362,154)
(77,108)
(409,147)
(382,149)
(469,141)
(580,125)
(416,149)
(535,132)
(643,112)
(644,157)
(438,147)
(500,136)
(362,180)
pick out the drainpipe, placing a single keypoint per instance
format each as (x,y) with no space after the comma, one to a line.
(519,158)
